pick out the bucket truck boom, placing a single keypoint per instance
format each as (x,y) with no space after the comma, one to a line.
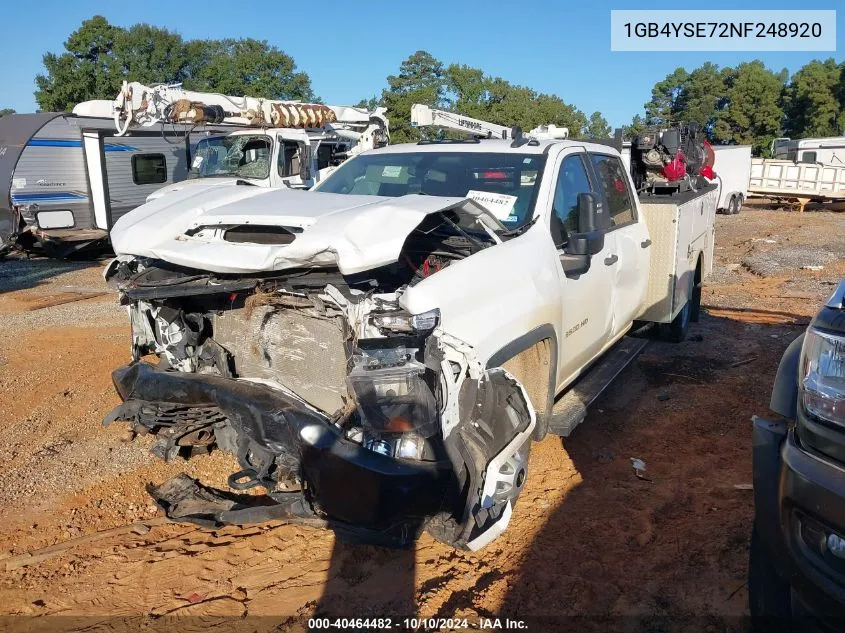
(426,116)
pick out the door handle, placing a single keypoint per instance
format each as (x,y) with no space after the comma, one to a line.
(609,261)
(645,243)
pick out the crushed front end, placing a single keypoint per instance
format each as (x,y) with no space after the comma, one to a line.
(344,409)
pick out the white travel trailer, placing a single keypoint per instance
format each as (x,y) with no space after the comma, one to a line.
(827,151)
(65,179)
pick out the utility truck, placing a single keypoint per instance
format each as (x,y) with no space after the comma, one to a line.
(381,352)
(285,143)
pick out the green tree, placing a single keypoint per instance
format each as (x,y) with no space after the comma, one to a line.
(85,71)
(812,100)
(244,67)
(5,111)
(702,96)
(636,126)
(98,57)
(148,54)
(420,80)
(753,114)
(598,127)
(666,102)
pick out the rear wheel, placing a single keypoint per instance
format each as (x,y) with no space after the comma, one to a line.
(768,595)
(732,206)
(738,204)
(678,328)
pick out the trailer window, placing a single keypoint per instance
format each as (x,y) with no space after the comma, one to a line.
(808,157)
(617,191)
(149,169)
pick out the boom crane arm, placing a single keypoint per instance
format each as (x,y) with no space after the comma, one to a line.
(138,104)
(426,116)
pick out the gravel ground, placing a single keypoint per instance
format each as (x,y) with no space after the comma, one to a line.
(586,538)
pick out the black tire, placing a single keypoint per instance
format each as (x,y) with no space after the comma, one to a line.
(695,308)
(768,595)
(732,206)
(739,202)
(677,330)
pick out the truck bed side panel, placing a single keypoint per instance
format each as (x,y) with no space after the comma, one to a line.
(680,228)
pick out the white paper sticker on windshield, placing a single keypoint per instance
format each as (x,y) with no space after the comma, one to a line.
(18,183)
(197,162)
(499,204)
(391,171)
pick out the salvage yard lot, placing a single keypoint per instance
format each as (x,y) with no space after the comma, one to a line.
(587,537)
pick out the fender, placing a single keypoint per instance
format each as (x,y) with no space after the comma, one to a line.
(519,345)
(785,390)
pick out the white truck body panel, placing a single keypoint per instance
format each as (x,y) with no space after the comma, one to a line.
(679,234)
(733,168)
(808,180)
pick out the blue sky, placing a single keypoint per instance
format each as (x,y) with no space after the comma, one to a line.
(349,48)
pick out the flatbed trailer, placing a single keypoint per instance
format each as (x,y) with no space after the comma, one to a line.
(799,183)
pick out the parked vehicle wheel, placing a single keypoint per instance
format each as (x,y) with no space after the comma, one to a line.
(768,595)
(732,206)
(738,204)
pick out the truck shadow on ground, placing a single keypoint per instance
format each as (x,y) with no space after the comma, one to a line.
(670,547)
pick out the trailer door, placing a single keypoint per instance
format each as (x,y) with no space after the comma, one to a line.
(92,144)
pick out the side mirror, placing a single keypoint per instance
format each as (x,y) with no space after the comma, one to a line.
(587,212)
(589,239)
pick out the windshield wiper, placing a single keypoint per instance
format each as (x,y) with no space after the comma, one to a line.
(521,229)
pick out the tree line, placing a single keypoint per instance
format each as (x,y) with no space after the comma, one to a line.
(746,104)
(99,56)
(751,104)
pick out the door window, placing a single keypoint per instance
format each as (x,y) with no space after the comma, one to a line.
(572,180)
(617,191)
(289,159)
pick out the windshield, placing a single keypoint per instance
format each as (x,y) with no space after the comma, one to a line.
(242,156)
(505,183)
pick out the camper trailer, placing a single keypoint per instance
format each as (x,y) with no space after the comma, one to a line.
(827,151)
(66,178)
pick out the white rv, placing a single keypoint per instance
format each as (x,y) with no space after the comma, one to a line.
(827,151)
(65,179)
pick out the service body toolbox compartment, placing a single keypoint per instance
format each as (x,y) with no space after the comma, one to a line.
(682,232)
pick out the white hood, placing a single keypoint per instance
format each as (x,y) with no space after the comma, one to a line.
(354,233)
(196,184)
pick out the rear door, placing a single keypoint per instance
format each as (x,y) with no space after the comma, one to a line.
(627,240)
(586,299)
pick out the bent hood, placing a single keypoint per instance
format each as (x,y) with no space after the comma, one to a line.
(354,233)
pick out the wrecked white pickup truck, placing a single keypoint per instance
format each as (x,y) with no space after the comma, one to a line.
(380,352)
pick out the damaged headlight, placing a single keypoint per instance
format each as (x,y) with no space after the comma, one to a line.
(401,321)
(822,376)
(397,410)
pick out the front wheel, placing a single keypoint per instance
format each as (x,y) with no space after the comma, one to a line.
(768,595)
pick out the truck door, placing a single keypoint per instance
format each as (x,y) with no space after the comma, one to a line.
(586,299)
(627,239)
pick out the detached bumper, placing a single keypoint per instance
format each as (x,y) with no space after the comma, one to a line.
(800,501)
(372,497)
